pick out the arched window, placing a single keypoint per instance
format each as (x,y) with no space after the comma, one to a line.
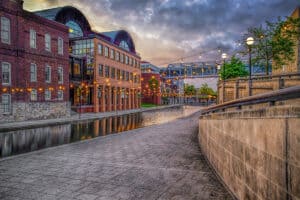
(74,29)
(5,30)
(123,44)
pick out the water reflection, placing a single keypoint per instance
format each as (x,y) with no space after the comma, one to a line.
(21,141)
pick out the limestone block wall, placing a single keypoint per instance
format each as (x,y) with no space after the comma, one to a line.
(256,153)
(36,110)
(158,116)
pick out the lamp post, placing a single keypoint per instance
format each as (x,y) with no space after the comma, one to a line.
(224,56)
(250,42)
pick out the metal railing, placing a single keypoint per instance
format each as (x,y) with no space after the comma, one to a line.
(269,97)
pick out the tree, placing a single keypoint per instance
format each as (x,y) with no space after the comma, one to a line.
(234,68)
(189,90)
(153,86)
(206,91)
(274,42)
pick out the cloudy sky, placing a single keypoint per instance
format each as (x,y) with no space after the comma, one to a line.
(165,31)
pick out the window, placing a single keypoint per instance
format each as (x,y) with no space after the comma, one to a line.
(127,76)
(6,104)
(74,29)
(100,49)
(126,60)
(100,70)
(123,76)
(47,95)
(5,30)
(6,73)
(33,95)
(130,61)
(112,54)
(76,69)
(60,44)
(60,95)
(48,74)
(113,73)
(123,44)
(106,51)
(131,76)
(107,71)
(60,74)
(122,58)
(47,42)
(118,74)
(117,56)
(33,72)
(134,63)
(32,38)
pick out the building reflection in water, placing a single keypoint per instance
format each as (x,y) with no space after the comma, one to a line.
(21,141)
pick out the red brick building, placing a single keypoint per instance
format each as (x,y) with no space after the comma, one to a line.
(151,83)
(34,62)
(104,67)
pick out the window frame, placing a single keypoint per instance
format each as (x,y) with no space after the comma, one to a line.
(47,95)
(100,49)
(33,93)
(107,71)
(9,73)
(47,67)
(32,39)
(8,31)
(60,95)
(60,73)
(112,54)
(8,111)
(33,74)
(60,46)
(100,69)
(48,41)
(106,51)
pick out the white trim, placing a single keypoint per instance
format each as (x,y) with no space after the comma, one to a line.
(8,104)
(60,46)
(46,72)
(33,78)
(60,70)
(32,38)
(48,42)
(9,73)
(3,31)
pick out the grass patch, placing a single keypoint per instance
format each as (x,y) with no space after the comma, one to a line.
(148,105)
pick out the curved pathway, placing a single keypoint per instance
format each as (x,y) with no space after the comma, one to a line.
(156,162)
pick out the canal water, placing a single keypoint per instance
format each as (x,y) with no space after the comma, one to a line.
(26,140)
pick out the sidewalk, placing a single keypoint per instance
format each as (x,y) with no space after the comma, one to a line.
(157,162)
(73,118)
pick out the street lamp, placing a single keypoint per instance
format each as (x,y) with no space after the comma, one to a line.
(250,42)
(224,56)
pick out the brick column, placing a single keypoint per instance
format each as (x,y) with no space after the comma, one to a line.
(109,99)
(115,98)
(102,99)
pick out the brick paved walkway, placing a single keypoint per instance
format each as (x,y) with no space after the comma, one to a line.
(156,162)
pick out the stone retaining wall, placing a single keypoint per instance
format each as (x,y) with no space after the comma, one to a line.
(256,153)
(163,115)
(36,111)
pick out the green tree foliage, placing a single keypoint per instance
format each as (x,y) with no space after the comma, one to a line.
(274,42)
(206,91)
(189,90)
(153,85)
(232,69)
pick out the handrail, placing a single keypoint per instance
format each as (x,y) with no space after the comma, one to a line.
(271,97)
(265,76)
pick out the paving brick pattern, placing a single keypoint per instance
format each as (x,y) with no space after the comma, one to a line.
(157,162)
